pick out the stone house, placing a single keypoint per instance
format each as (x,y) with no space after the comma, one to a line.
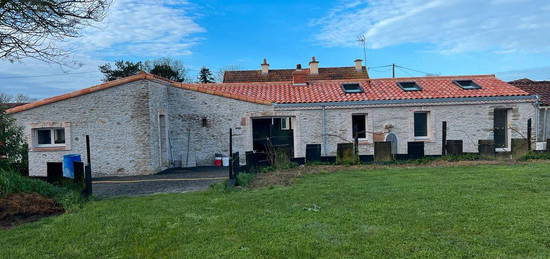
(541,89)
(143,124)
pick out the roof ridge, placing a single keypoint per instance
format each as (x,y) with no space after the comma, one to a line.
(80,92)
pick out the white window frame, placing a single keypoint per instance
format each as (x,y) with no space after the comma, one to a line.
(366,126)
(428,126)
(52,137)
(285,123)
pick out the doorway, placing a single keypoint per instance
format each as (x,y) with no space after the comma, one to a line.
(501,131)
(273,133)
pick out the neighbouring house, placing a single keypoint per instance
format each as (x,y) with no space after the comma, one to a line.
(143,124)
(541,89)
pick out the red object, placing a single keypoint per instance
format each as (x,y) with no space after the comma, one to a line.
(218,161)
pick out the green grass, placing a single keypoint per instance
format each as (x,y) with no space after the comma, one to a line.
(481,211)
(13,182)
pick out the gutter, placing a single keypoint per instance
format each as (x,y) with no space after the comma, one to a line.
(411,101)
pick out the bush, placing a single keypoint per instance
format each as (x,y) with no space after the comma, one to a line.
(13,146)
(13,182)
(243,179)
(535,156)
(463,157)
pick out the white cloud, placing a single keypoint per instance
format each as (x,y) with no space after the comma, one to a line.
(142,28)
(132,29)
(537,73)
(450,26)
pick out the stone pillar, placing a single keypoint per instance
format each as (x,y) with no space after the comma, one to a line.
(486,149)
(520,147)
(382,151)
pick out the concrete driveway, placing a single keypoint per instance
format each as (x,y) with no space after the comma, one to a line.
(172,180)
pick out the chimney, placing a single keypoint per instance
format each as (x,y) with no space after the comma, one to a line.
(313,66)
(265,67)
(299,76)
(359,65)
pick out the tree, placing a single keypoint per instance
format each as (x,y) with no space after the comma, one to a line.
(205,76)
(30,28)
(123,69)
(164,67)
(167,68)
(19,98)
(13,148)
(221,72)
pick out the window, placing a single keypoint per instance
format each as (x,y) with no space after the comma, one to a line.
(409,86)
(467,84)
(285,123)
(359,126)
(352,88)
(421,124)
(49,137)
(204,122)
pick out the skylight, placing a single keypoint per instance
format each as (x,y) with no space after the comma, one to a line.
(467,84)
(352,88)
(409,86)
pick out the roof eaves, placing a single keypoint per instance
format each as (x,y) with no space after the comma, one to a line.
(77,93)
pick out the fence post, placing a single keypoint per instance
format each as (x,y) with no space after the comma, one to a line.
(88,170)
(444,138)
(231,181)
(529,126)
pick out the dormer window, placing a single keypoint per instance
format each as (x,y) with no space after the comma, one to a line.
(350,88)
(409,86)
(467,84)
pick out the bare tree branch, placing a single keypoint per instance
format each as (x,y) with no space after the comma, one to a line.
(29,28)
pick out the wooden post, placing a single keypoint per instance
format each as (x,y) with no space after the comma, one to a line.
(88,170)
(231,181)
(444,138)
(529,122)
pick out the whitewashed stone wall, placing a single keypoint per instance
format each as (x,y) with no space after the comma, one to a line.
(467,122)
(117,120)
(123,123)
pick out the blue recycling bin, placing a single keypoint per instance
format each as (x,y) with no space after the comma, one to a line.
(68,166)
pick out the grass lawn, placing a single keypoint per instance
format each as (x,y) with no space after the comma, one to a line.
(469,211)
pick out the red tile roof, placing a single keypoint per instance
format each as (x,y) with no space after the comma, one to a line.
(374,89)
(281,75)
(319,91)
(540,88)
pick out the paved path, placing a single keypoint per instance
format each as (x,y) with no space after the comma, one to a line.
(173,180)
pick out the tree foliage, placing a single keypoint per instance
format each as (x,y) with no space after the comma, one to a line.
(167,68)
(121,69)
(13,148)
(205,76)
(164,67)
(29,28)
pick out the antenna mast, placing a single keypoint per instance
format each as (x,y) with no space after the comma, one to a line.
(363,41)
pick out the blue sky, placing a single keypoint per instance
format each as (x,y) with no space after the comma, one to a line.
(445,37)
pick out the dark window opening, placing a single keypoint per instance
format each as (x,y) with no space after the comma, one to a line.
(420,124)
(44,137)
(409,86)
(352,88)
(501,128)
(467,84)
(359,126)
(204,122)
(59,136)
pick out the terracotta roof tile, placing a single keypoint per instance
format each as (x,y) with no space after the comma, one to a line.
(540,88)
(320,91)
(281,75)
(374,89)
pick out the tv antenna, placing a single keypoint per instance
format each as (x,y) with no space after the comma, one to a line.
(363,41)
